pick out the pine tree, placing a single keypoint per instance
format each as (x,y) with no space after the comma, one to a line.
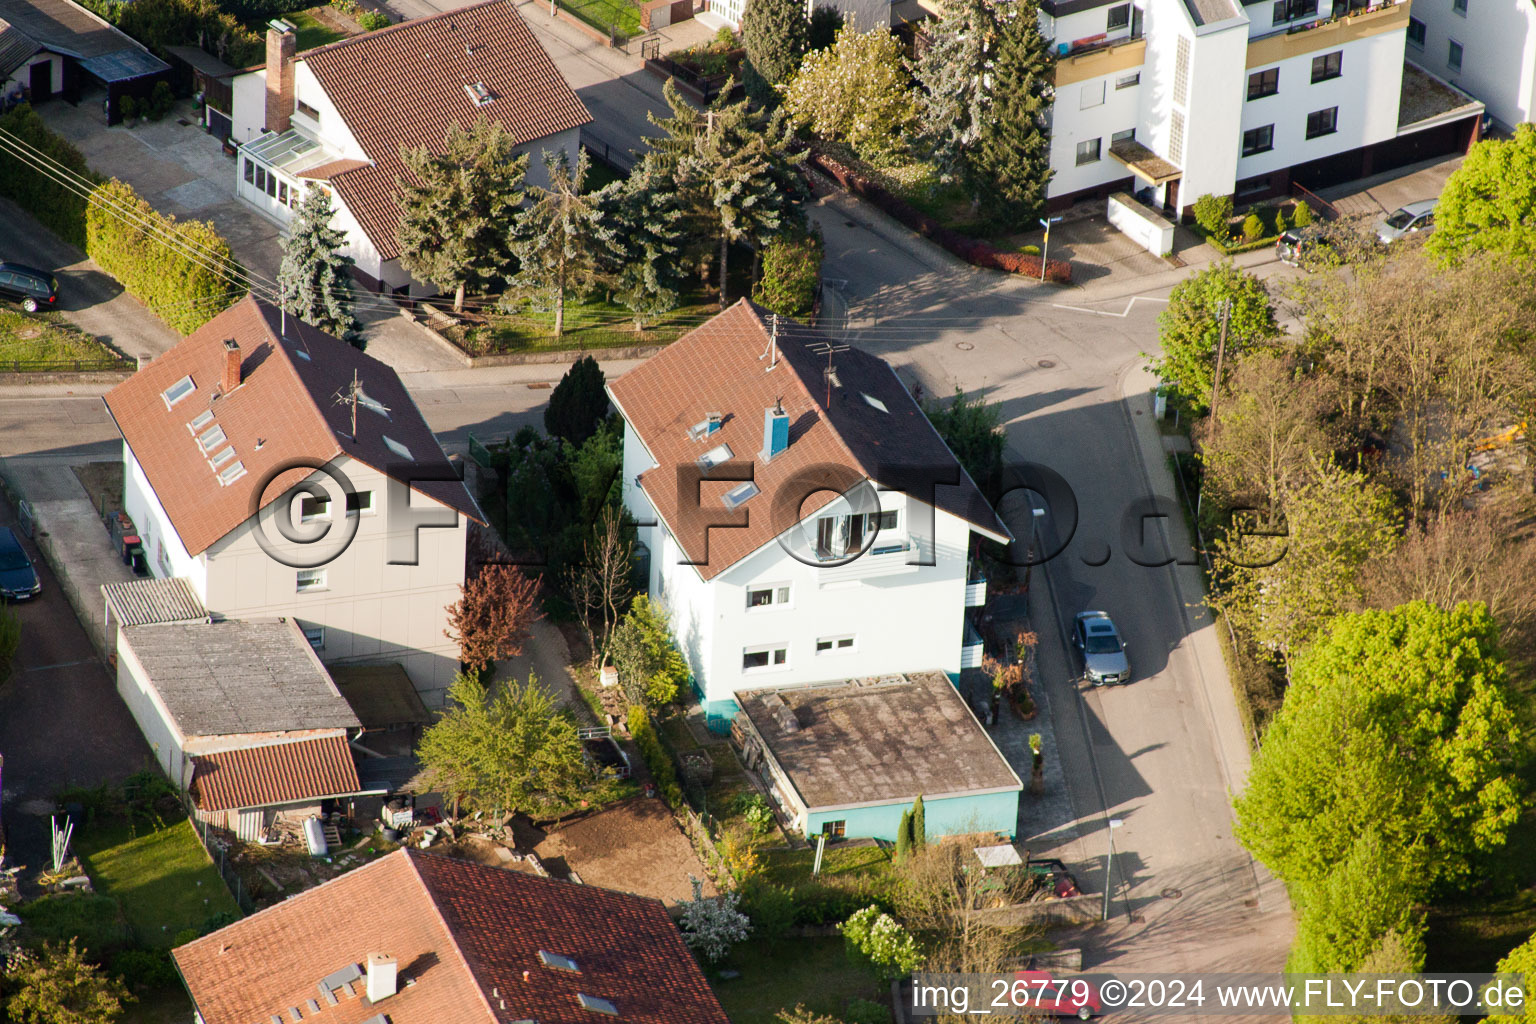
(555,238)
(1012,162)
(735,169)
(455,207)
(775,34)
(643,223)
(953,73)
(314,281)
(919,826)
(578,403)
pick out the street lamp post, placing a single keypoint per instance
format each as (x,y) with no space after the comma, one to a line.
(1045,249)
(1109,865)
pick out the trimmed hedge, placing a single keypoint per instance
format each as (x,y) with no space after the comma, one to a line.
(178,277)
(58,208)
(976,253)
(655,756)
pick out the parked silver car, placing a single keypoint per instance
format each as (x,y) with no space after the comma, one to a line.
(1103,653)
(1406,220)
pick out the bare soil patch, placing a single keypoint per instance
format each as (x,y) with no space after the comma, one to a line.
(634,846)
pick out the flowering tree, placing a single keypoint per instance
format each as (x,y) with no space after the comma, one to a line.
(713,926)
(856,92)
(878,937)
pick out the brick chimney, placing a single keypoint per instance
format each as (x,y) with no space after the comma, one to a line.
(280,50)
(231,378)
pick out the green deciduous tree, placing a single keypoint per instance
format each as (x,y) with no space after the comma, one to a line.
(856,92)
(737,171)
(508,748)
(1281,588)
(1521,960)
(314,281)
(1395,721)
(1346,915)
(556,239)
(791,275)
(1489,203)
(712,925)
(1190,328)
(578,403)
(455,207)
(652,670)
(775,34)
(957,101)
(57,985)
(972,428)
(880,940)
(1013,153)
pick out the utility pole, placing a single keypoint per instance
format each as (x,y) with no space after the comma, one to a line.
(1045,250)
(1109,864)
(1221,351)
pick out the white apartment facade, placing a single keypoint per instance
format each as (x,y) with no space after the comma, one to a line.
(1486,47)
(1175,99)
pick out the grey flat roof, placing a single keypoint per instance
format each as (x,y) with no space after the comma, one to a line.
(234,677)
(138,602)
(1425,97)
(877,739)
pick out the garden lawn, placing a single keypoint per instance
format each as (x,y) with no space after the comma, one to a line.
(792,868)
(816,972)
(617,17)
(311,32)
(44,338)
(588,325)
(162,877)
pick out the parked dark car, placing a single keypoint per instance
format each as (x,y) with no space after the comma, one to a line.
(34,289)
(18,580)
(1300,246)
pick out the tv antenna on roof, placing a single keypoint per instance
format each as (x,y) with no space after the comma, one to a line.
(830,373)
(773,342)
(351,394)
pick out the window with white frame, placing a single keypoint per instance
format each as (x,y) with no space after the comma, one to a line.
(1454,55)
(360,502)
(834,644)
(1127,81)
(1129,135)
(312,508)
(839,536)
(765,658)
(1088,152)
(769,595)
(1119,17)
(309,579)
(316,637)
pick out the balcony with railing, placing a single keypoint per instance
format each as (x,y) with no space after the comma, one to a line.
(1305,26)
(970,647)
(1107,53)
(975,586)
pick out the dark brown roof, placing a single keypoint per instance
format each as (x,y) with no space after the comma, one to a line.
(721,367)
(279,773)
(439,56)
(285,401)
(381,695)
(466,935)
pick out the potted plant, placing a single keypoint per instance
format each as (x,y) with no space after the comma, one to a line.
(1037,773)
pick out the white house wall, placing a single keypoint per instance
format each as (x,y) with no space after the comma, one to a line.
(1119,111)
(372,612)
(1213,117)
(154,721)
(163,549)
(1498,65)
(248,106)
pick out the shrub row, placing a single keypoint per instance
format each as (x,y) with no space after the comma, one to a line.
(178,269)
(655,755)
(60,208)
(974,252)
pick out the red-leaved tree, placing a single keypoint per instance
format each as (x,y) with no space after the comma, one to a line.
(490,619)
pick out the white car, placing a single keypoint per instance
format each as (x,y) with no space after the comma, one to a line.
(1406,220)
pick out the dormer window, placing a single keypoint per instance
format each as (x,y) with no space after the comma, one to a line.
(176,392)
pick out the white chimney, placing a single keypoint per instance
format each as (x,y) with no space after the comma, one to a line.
(381,976)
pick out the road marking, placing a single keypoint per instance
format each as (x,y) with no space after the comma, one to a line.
(1127,312)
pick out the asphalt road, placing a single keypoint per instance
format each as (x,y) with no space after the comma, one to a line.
(91,299)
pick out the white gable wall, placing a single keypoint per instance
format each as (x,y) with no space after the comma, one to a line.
(163,549)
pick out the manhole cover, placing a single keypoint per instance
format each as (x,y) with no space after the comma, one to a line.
(1172,894)
(1045,364)
(964,346)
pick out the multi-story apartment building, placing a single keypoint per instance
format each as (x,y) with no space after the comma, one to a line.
(1174,99)
(1487,47)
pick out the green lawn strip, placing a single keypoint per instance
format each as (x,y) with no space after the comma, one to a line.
(163,878)
(609,15)
(591,324)
(311,31)
(45,338)
(816,972)
(793,867)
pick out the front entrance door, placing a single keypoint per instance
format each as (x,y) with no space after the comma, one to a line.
(1171,198)
(41,82)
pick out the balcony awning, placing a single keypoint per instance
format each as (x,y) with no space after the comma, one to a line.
(1144,163)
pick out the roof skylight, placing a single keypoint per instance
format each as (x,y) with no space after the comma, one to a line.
(740,495)
(232,472)
(558,961)
(479,93)
(222,457)
(597,1005)
(176,392)
(398,448)
(875,402)
(716,455)
(211,438)
(203,419)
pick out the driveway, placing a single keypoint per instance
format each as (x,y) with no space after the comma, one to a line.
(62,724)
(1383,193)
(91,299)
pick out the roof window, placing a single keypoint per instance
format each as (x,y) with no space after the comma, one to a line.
(203,419)
(211,438)
(716,455)
(398,448)
(232,472)
(176,392)
(222,457)
(558,961)
(597,1005)
(740,495)
(874,402)
(479,93)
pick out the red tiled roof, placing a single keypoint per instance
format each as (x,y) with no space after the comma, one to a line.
(331,168)
(280,773)
(285,402)
(403,86)
(722,367)
(466,935)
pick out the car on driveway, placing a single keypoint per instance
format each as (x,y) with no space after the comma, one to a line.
(1044,996)
(1295,245)
(34,289)
(18,580)
(1098,643)
(1415,218)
